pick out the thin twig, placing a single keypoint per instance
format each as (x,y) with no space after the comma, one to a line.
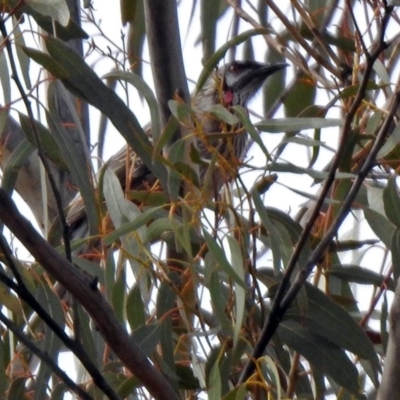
(282,299)
(45,162)
(76,347)
(45,357)
(85,291)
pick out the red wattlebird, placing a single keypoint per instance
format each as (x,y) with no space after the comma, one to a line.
(233,84)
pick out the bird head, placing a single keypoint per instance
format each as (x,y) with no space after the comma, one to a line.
(233,84)
(240,80)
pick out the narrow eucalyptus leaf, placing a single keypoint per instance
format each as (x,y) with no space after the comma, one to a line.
(391,202)
(135,308)
(223,114)
(323,355)
(357,274)
(223,263)
(24,60)
(278,125)
(17,159)
(5,78)
(395,250)
(144,89)
(213,61)
(76,158)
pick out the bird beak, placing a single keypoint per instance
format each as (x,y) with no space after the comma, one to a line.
(249,83)
(270,69)
(259,75)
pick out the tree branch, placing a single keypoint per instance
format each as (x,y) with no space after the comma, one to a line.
(74,345)
(44,357)
(286,292)
(85,291)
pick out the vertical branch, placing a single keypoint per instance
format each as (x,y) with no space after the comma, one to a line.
(165,53)
(165,49)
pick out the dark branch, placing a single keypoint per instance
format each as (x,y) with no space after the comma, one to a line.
(91,299)
(44,356)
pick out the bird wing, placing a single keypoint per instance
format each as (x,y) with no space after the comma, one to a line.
(140,177)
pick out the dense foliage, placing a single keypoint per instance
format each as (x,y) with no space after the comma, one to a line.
(278,287)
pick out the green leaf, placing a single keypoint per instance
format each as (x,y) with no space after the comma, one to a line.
(127,387)
(3,367)
(213,61)
(119,295)
(381,226)
(316,174)
(92,268)
(391,202)
(278,125)
(148,198)
(56,10)
(269,373)
(144,90)
(24,61)
(147,337)
(215,388)
(329,320)
(294,230)
(300,96)
(218,298)
(71,31)
(159,227)
(395,250)
(382,72)
(273,233)
(47,142)
(240,293)
(136,35)
(46,61)
(352,90)
(140,220)
(176,153)
(249,127)
(128,10)
(77,160)
(51,344)
(3,120)
(392,141)
(83,82)
(91,340)
(222,261)
(237,393)
(357,274)
(121,212)
(10,301)
(165,303)
(322,354)
(135,308)
(223,114)
(181,111)
(17,389)
(5,78)
(187,380)
(17,160)
(59,391)
(109,275)
(383,322)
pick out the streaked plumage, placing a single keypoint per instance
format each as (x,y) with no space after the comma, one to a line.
(230,85)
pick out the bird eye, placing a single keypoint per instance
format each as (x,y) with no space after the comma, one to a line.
(233,68)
